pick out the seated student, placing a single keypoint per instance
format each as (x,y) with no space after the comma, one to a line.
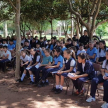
(48,44)
(63,48)
(25,60)
(33,43)
(57,45)
(34,60)
(92,52)
(27,46)
(1,51)
(41,42)
(81,49)
(69,43)
(56,65)
(46,61)
(14,40)
(68,67)
(101,52)
(97,46)
(102,78)
(75,44)
(52,44)
(5,57)
(38,49)
(11,46)
(37,40)
(73,50)
(84,72)
(5,43)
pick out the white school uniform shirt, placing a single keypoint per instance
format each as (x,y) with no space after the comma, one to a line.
(5,45)
(102,53)
(81,51)
(83,66)
(27,58)
(72,63)
(6,53)
(104,66)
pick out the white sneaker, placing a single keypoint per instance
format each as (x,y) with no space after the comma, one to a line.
(103,104)
(90,99)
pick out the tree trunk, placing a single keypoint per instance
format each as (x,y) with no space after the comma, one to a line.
(18,44)
(77,30)
(72,27)
(51,28)
(40,32)
(5,29)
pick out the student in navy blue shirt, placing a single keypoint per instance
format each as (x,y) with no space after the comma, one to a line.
(102,78)
(92,52)
(56,65)
(84,72)
(68,67)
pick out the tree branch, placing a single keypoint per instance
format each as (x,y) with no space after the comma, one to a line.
(106,20)
(77,14)
(13,5)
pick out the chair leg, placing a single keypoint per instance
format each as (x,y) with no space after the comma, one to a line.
(87,90)
(98,92)
(73,89)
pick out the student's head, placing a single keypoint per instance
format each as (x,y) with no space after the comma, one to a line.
(97,45)
(33,40)
(58,43)
(91,44)
(82,57)
(49,42)
(23,53)
(5,48)
(1,48)
(102,44)
(29,37)
(41,39)
(57,51)
(69,41)
(37,45)
(4,41)
(55,39)
(36,37)
(52,40)
(73,49)
(67,53)
(81,46)
(62,44)
(75,42)
(85,33)
(11,42)
(32,52)
(47,52)
(26,43)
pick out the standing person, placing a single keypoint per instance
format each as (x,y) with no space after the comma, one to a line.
(92,52)
(102,78)
(84,72)
(101,52)
(84,39)
(68,67)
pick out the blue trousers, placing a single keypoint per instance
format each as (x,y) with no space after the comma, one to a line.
(2,63)
(47,71)
(95,82)
(79,83)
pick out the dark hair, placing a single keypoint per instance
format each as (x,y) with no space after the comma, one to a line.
(58,50)
(97,43)
(81,44)
(103,42)
(5,47)
(83,56)
(74,48)
(48,50)
(68,51)
(1,46)
(23,51)
(85,30)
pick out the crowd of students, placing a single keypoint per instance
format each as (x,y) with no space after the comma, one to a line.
(73,59)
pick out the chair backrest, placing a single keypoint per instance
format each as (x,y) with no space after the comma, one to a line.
(97,67)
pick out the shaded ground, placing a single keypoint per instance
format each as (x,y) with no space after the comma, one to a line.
(14,95)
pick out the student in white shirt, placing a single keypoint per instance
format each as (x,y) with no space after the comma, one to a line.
(25,60)
(81,49)
(5,58)
(101,52)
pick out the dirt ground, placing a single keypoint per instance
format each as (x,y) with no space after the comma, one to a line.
(15,95)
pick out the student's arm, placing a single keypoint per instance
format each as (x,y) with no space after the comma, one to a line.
(60,71)
(67,71)
(5,57)
(49,64)
(56,66)
(30,64)
(92,57)
(25,63)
